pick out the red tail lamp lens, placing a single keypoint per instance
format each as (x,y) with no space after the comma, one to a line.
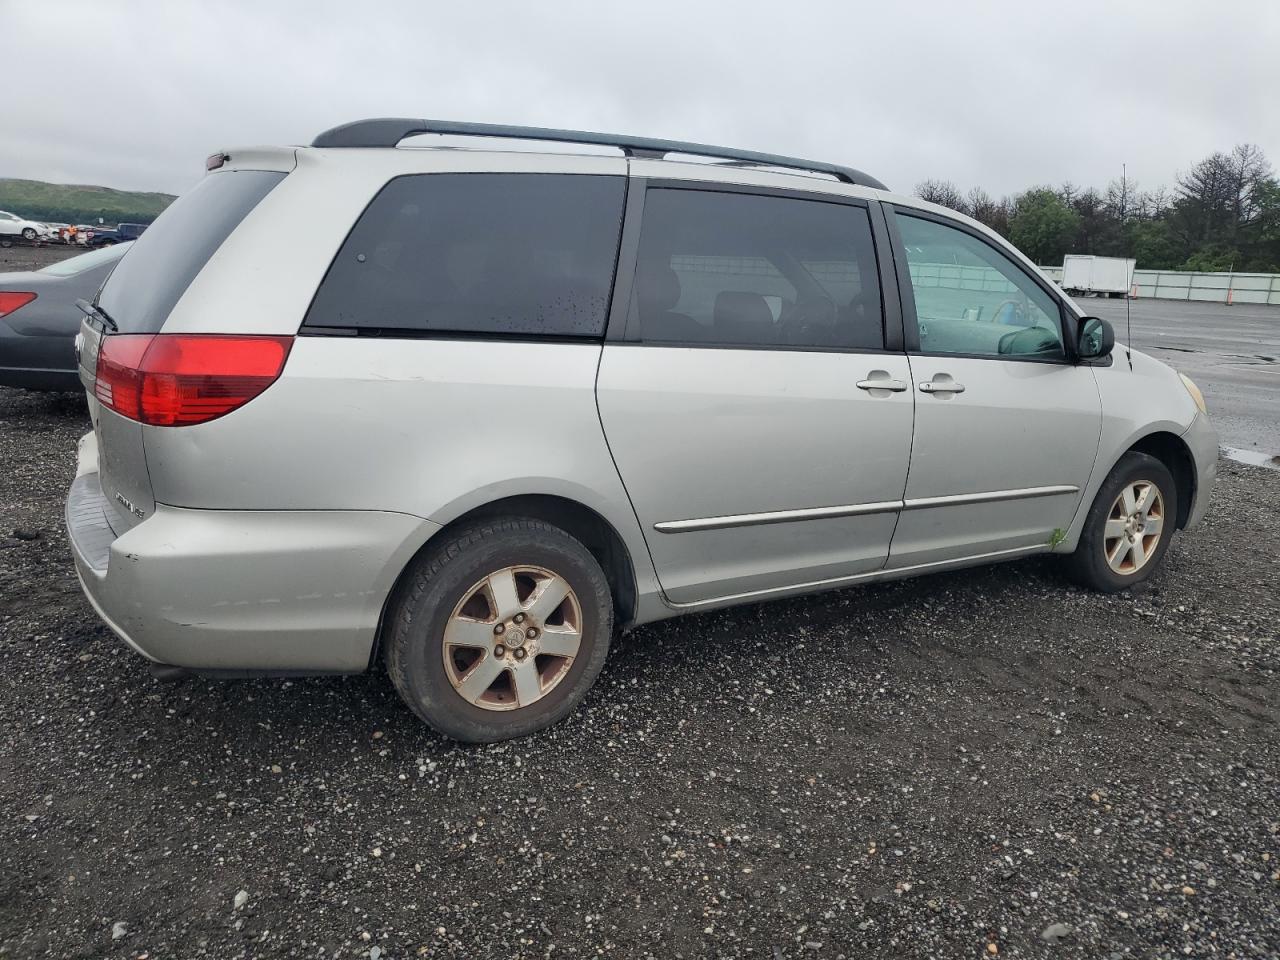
(11,300)
(175,380)
(118,382)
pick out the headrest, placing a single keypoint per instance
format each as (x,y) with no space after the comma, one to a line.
(658,285)
(739,308)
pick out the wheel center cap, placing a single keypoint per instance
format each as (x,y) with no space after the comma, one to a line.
(514,636)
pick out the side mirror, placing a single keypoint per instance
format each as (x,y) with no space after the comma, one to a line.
(1094,338)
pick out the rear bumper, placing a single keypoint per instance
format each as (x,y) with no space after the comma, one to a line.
(225,590)
(1202,440)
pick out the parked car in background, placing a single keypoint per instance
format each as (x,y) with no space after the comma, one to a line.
(39,319)
(14,227)
(487,405)
(104,236)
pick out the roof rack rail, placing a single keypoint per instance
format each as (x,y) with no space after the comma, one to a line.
(389,131)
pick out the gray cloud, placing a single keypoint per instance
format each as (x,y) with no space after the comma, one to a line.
(998,94)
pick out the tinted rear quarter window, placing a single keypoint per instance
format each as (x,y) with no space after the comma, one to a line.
(162,262)
(518,255)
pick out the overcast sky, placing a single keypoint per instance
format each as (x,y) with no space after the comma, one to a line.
(999,94)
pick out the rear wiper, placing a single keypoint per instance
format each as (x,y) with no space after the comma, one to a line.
(95,312)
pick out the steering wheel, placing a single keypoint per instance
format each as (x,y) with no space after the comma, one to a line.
(1018,312)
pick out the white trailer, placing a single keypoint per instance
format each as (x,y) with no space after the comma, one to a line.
(1104,276)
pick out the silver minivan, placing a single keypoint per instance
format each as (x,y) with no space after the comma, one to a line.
(472,410)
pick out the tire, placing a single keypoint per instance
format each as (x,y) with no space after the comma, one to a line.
(448,594)
(1110,564)
(28,234)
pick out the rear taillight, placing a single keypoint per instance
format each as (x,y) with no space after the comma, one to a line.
(11,300)
(118,380)
(174,380)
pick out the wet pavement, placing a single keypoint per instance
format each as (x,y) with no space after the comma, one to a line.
(1232,353)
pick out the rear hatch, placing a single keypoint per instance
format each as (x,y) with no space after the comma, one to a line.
(136,301)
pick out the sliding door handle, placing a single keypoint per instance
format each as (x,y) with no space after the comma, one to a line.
(894,386)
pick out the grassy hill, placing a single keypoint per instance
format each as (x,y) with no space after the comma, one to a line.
(72,203)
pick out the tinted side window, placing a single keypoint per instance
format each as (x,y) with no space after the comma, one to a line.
(161,263)
(503,254)
(973,299)
(745,270)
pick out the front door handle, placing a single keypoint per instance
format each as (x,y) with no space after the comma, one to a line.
(941,383)
(882,383)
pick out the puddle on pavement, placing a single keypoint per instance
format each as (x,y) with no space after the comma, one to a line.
(1255,457)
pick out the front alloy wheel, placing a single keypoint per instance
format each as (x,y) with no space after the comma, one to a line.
(1134,527)
(1128,527)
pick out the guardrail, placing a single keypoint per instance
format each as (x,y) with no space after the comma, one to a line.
(1205,287)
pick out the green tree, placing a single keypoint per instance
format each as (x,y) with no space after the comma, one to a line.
(1042,226)
(1213,258)
(1224,213)
(1098,232)
(1154,246)
(1261,237)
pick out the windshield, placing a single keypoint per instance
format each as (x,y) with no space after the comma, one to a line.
(86,261)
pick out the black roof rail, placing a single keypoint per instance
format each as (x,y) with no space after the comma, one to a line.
(389,131)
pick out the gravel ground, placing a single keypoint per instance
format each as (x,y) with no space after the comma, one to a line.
(23,257)
(989,763)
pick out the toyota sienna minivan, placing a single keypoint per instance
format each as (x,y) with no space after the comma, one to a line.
(484,407)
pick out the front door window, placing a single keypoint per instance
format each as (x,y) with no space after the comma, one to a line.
(974,300)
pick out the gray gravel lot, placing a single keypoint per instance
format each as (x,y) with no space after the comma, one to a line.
(23,257)
(974,764)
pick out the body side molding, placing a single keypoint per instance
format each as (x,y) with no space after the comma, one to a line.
(858,509)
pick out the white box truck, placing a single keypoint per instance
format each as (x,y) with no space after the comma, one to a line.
(1104,276)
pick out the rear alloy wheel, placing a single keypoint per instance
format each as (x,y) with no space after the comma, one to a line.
(1129,526)
(512,638)
(500,631)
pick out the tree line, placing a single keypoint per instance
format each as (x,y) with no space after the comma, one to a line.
(77,203)
(1222,214)
(87,215)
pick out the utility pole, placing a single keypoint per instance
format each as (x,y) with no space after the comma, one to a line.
(1124,192)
